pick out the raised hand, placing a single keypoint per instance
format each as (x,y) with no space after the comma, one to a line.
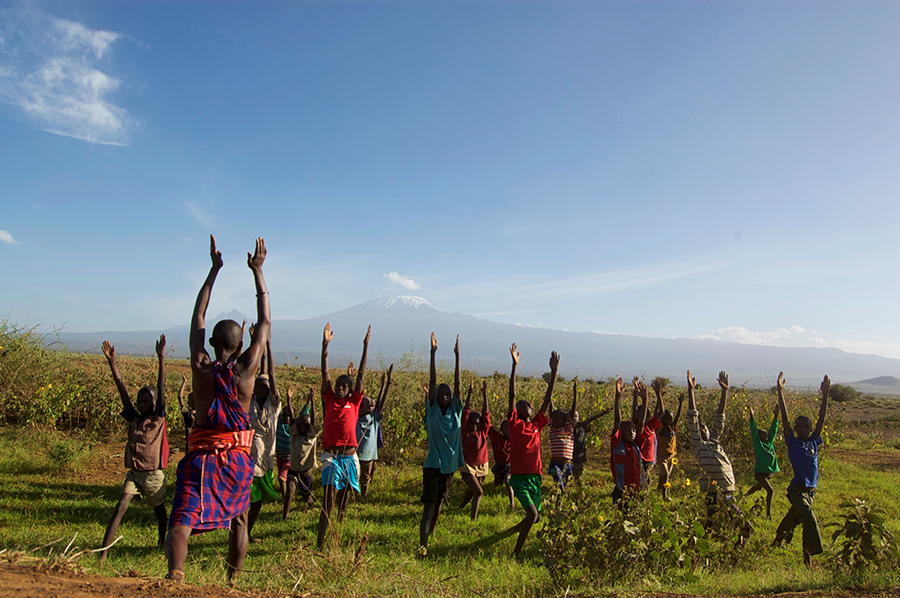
(515,354)
(484,388)
(108,350)
(184,377)
(691,381)
(456,346)
(471,385)
(327,335)
(310,395)
(252,329)
(657,387)
(554,361)
(752,415)
(290,392)
(779,384)
(255,261)
(433,343)
(620,387)
(390,373)
(641,389)
(214,254)
(723,380)
(161,345)
(244,325)
(634,385)
(825,387)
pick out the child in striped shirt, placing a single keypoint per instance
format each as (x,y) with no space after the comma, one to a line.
(718,472)
(562,440)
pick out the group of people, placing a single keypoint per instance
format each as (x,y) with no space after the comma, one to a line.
(239,439)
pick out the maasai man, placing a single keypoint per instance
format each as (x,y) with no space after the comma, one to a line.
(214,477)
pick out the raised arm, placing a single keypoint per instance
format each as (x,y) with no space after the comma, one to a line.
(361,373)
(484,402)
(264,357)
(199,355)
(634,397)
(785,421)
(312,407)
(617,406)
(660,404)
(385,388)
(327,335)
(642,392)
(161,376)
(678,414)
(512,380)
(181,390)
(573,409)
(290,405)
(110,352)
(270,363)
(249,359)
(554,366)
(432,378)
(469,393)
(825,388)
(723,384)
(457,379)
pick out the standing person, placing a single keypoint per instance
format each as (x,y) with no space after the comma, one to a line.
(500,447)
(718,474)
(147,450)
(368,431)
(562,440)
(667,440)
(443,418)
(803,452)
(647,433)
(525,448)
(187,407)
(340,465)
(625,447)
(766,460)
(304,434)
(212,490)
(265,413)
(474,431)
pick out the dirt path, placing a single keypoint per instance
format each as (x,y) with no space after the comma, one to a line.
(55,582)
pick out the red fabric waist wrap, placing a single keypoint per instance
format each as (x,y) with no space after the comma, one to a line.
(217,443)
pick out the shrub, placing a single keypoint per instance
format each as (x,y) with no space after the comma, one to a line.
(862,543)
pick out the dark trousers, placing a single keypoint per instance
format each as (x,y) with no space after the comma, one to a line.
(801,513)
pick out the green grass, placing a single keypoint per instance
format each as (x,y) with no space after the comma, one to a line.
(39,503)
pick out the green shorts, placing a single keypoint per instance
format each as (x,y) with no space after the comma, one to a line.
(527,488)
(151,485)
(263,488)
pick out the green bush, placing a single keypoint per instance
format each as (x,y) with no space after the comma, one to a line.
(862,543)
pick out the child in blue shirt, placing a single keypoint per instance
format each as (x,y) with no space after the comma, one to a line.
(443,418)
(803,452)
(368,430)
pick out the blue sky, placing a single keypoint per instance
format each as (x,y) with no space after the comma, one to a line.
(671,169)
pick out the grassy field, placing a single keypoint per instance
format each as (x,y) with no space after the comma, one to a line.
(53,486)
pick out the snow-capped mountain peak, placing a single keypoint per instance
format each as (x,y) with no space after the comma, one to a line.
(399,302)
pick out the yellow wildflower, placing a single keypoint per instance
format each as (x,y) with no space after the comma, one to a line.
(674,460)
(714,482)
(667,485)
(602,518)
(687,481)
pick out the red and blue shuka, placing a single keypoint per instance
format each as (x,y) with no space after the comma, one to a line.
(214,477)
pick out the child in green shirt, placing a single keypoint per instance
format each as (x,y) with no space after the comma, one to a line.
(766,459)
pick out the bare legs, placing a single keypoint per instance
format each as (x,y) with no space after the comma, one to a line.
(119,512)
(430,514)
(474,492)
(762,483)
(343,497)
(532,516)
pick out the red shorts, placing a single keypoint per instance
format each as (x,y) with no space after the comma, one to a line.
(283,464)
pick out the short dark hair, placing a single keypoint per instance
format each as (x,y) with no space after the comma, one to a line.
(227,335)
(344,379)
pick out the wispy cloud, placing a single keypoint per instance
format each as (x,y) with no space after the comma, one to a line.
(200,214)
(404,281)
(5,237)
(52,69)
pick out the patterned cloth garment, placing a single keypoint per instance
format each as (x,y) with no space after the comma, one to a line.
(213,479)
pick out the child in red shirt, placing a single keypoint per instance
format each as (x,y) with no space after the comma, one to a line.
(500,446)
(624,446)
(340,465)
(475,451)
(525,448)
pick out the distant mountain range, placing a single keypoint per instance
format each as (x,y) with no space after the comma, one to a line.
(402,325)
